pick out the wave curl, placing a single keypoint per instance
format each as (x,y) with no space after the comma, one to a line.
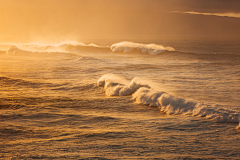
(152,49)
(79,47)
(170,104)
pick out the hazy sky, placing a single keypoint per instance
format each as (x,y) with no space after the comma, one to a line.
(30,20)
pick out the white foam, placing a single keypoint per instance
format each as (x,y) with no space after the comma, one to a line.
(69,47)
(147,96)
(111,78)
(174,105)
(76,47)
(152,49)
(18,50)
(117,86)
(166,102)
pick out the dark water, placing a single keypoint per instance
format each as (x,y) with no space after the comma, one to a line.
(52,107)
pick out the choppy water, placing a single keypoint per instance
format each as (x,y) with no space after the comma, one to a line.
(122,101)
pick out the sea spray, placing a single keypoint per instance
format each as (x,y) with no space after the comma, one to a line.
(67,47)
(55,99)
(168,103)
(80,47)
(151,49)
(117,86)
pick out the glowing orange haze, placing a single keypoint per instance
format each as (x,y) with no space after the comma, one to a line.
(58,20)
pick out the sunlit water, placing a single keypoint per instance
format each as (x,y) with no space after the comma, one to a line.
(184,105)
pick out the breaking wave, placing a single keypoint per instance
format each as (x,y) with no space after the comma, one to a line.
(145,94)
(16,51)
(152,49)
(78,47)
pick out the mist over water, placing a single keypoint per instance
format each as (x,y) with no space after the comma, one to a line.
(120,100)
(119,79)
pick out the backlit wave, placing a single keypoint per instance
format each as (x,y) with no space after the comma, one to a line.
(78,47)
(151,49)
(145,94)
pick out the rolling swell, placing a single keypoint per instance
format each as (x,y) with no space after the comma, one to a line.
(152,49)
(170,104)
(66,49)
(78,47)
(16,51)
(62,49)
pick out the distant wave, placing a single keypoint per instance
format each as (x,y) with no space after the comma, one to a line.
(144,94)
(78,47)
(81,47)
(16,51)
(152,49)
(50,50)
(61,47)
(75,49)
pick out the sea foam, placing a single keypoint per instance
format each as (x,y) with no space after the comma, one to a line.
(168,103)
(152,49)
(80,47)
(67,47)
(117,86)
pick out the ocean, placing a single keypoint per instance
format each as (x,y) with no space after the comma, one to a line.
(117,99)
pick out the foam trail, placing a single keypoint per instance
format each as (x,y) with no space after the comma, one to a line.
(166,102)
(152,49)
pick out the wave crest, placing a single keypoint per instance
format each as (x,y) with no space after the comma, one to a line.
(170,104)
(152,49)
(79,47)
(114,88)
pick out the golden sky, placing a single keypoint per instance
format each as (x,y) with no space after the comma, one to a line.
(29,20)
